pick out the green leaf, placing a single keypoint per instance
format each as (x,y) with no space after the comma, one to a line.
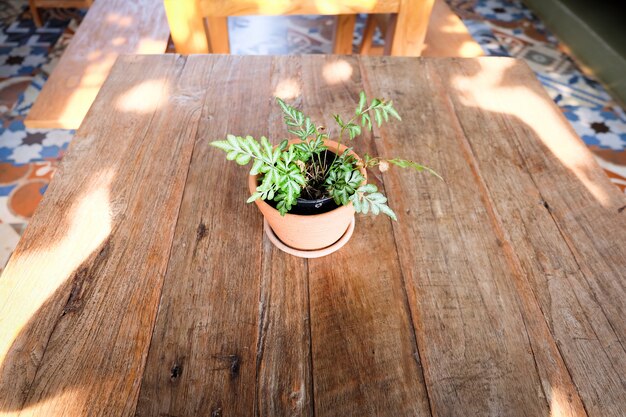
(367,199)
(253,197)
(232,139)
(365,207)
(221,144)
(368,188)
(389,212)
(362,102)
(256,167)
(339,120)
(378,117)
(242,159)
(404,163)
(393,111)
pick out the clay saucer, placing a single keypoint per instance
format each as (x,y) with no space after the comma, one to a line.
(318,253)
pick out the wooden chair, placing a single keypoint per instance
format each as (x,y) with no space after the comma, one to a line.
(200,26)
(446,35)
(48,4)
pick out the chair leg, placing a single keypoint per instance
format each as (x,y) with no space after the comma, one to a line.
(368,35)
(410,27)
(35,13)
(217,28)
(186,26)
(389,33)
(344,34)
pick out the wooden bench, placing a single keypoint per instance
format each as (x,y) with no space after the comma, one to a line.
(110,28)
(46,4)
(114,27)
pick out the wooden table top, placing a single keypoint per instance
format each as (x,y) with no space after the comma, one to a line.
(144,284)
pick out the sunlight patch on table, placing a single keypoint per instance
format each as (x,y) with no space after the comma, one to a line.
(34,274)
(287,89)
(119,20)
(46,406)
(337,72)
(560,404)
(143,98)
(496,93)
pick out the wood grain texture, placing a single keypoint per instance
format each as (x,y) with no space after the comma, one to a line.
(79,298)
(575,270)
(203,357)
(144,284)
(110,28)
(362,341)
(284,373)
(474,345)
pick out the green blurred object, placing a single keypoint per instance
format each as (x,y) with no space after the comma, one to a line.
(595,32)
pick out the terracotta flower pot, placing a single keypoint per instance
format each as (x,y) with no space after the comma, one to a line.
(308,232)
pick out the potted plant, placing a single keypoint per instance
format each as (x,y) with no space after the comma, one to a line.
(309,188)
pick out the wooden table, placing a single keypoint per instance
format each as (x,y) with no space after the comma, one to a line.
(144,284)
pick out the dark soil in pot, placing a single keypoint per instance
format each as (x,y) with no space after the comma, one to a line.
(309,206)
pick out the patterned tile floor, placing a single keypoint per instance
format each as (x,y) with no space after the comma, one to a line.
(29,157)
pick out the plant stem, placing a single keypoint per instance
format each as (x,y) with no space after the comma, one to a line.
(343,129)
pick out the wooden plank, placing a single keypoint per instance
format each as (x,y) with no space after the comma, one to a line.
(79,299)
(284,373)
(110,28)
(410,27)
(472,336)
(344,34)
(203,358)
(291,7)
(365,360)
(560,215)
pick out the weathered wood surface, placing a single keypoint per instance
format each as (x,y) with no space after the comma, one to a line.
(561,218)
(110,28)
(81,290)
(473,337)
(203,357)
(362,341)
(144,284)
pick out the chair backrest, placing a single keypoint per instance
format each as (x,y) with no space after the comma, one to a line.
(200,26)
